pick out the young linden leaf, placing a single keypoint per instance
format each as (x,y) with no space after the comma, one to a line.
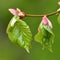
(59,19)
(45,37)
(19,33)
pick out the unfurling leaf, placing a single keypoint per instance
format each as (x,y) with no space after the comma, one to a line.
(59,19)
(45,36)
(19,33)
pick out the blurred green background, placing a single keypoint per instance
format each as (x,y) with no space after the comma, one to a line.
(9,51)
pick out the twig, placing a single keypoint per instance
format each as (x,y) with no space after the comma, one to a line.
(32,15)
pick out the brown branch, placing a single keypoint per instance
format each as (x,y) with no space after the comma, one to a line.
(32,15)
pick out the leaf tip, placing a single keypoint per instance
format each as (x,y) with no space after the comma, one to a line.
(27,49)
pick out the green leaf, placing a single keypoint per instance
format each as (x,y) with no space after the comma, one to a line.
(45,37)
(19,33)
(59,19)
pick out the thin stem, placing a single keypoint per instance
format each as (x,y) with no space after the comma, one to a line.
(32,15)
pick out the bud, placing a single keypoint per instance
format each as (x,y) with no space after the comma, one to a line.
(17,12)
(14,12)
(59,3)
(46,21)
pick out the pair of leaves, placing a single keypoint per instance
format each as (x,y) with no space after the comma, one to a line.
(45,37)
(19,33)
